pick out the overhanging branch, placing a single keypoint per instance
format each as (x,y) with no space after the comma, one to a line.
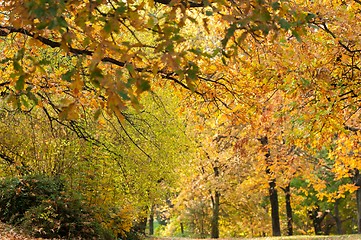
(6,30)
(184,3)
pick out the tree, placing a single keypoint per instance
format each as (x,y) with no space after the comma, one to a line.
(110,41)
(120,168)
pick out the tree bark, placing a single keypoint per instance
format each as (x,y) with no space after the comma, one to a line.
(182,229)
(273,195)
(276,228)
(151,221)
(317,217)
(215,207)
(337,218)
(288,210)
(358,198)
(215,216)
(357,182)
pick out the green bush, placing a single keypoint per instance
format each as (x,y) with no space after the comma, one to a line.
(42,206)
(18,195)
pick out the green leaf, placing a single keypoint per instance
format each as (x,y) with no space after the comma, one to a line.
(193,71)
(121,9)
(24,101)
(131,70)
(20,54)
(265,16)
(305,82)
(275,5)
(284,24)
(97,114)
(310,16)
(130,82)
(242,37)
(17,66)
(123,95)
(229,34)
(107,27)
(296,35)
(144,85)
(62,22)
(32,97)
(67,76)
(20,83)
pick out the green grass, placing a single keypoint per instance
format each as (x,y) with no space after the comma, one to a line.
(338,237)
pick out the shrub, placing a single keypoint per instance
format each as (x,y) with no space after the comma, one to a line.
(42,206)
(18,195)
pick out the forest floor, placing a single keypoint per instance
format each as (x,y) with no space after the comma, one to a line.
(8,232)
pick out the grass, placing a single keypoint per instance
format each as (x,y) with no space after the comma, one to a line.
(339,237)
(336,237)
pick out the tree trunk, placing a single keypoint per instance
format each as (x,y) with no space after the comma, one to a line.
(273,196)
(215,207)
(215,216)
(356,179)
(288,210)
(337,218)
(276,228)
(182,229)
(317,217)
(317,226)
(151,220)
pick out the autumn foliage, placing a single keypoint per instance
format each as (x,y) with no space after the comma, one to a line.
(210,118)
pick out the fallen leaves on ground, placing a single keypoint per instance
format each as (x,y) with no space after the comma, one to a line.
(8,232)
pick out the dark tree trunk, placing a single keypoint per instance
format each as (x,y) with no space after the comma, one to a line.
(317,226)
(151,221)
(288,210)
(273,196)
(215,207)
(358,199)
(357,182)
(317,217)
(182,229)
(276,228)
(215,216)
(337,218)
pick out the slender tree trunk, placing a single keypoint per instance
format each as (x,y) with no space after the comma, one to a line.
(151,220)
(276,228)
(317,226)
(337,218)
(358,198)
(215,207)
(273,195)
(288,210)
(357,181)
(317,217)
(182,229)
(215,216)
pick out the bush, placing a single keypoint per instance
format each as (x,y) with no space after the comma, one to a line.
(41,206)
(19,195)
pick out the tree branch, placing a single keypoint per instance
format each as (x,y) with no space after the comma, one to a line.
(184,3)
(6,30)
